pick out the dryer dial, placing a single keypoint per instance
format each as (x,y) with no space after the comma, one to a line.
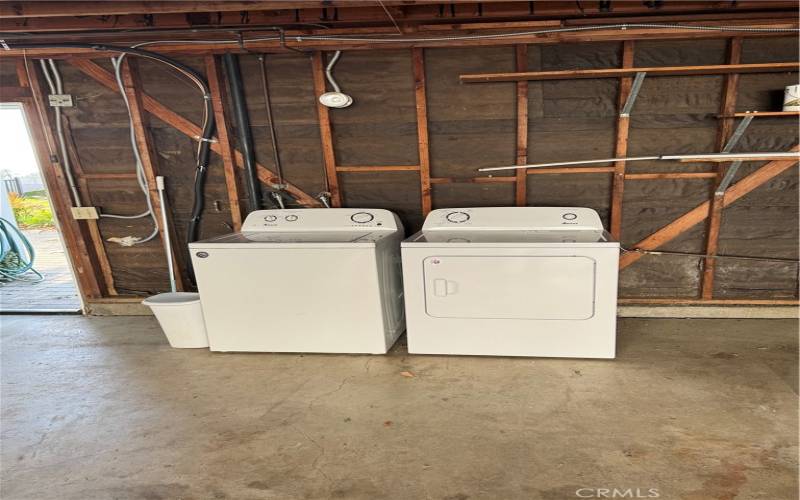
(457,217)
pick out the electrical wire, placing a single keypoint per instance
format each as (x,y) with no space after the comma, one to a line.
(705,255)
(56,87)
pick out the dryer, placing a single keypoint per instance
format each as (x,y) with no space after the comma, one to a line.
(307,280)
(511,281)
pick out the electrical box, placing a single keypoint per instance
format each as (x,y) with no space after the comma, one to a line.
(60,100)
(82,213)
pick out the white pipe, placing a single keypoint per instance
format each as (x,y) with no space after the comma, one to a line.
(167,243)
(708,156)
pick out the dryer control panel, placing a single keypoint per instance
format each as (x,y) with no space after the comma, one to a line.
(514,218)
(328,219)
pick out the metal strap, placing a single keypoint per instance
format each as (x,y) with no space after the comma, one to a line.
(731,173)
(635,88)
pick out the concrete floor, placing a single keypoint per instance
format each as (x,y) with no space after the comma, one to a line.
(102,408)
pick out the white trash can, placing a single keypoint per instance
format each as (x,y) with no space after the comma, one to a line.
(181,317)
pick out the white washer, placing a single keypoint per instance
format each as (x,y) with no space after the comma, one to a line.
(511,281)
(313,280)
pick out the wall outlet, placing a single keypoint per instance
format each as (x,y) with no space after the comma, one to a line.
(60,100)
(81,213)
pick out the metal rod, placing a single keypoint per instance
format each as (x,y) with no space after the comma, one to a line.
(699,157)
(167,244)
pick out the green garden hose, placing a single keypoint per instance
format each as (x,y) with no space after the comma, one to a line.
(16,262)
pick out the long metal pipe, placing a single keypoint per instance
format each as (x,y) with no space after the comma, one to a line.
(242,120)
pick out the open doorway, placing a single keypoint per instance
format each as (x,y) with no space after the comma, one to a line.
(35,275)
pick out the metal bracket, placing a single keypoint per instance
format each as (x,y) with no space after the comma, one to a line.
(635,88)
(731,173)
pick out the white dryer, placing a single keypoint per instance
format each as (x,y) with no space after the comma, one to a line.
(308,280)
(511,281)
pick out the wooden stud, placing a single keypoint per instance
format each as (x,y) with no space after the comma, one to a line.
(521,189)
(473,180)
(762,114)
(188,128)
(325,130)
(569,170)
(141,131)
(418,60)
(574,74)
(381,168)
(701,212)
(74,234)
(671,175)
(621,144)
(217,90)
(727,107)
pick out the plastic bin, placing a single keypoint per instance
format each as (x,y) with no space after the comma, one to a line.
(181,317)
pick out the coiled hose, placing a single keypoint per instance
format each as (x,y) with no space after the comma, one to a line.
(15,262)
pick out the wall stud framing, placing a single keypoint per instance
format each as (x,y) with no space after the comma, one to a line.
(418,60)
(81,256)
(187,128)
(325,130)
(702,211)
(621,144)
(724,132)
(521,188)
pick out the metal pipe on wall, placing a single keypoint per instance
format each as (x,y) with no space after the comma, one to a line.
(245,135)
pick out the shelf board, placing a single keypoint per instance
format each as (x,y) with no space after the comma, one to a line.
(757,114)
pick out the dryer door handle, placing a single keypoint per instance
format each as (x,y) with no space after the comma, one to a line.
(443,287)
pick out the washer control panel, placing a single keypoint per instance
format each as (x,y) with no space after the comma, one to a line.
(514,218)
(331,219)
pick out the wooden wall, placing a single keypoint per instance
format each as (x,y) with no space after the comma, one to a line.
(470,126)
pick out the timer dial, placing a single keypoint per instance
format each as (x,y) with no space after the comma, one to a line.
(362,217)
(271,218)
(457,217)
(291,218)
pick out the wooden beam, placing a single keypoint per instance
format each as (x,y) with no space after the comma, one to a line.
(700,212)
(80,255)
(600,35)
(107,176)
(188,128)
(621,144)
(671,175)
(473,180)
(521,189)
(569,170)
(418,61)
(719,302)
(724,131)
(381,168)
(719,69)
(217,90)
(325,130)
(144,143)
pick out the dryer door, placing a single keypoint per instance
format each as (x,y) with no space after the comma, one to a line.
(510,287)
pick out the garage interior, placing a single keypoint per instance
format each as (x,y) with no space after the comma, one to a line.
(700,401)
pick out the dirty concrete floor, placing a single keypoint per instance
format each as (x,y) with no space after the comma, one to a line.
(101,408)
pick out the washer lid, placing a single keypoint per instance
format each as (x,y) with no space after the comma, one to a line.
(297,237)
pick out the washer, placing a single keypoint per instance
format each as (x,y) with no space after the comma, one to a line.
(313,280)
(511,281)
